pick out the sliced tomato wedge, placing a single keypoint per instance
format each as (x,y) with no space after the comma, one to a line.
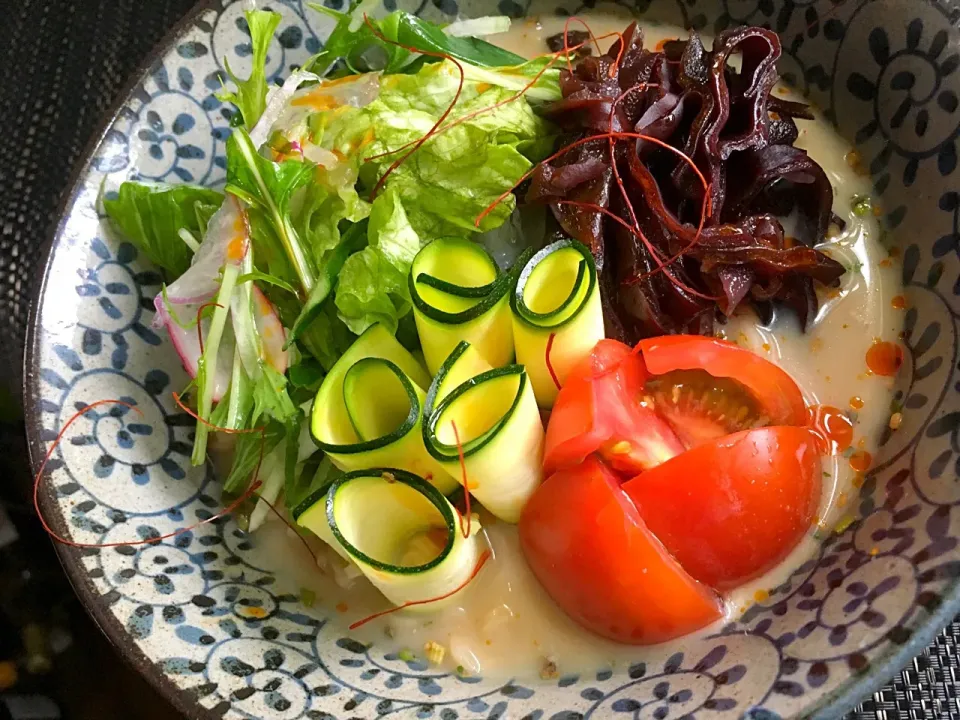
(730,510)
(599,409)
(586,543)
(706,388)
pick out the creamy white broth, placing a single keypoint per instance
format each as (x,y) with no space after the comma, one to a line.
(504,623)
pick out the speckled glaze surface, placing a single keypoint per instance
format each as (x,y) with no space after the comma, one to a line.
(215,632)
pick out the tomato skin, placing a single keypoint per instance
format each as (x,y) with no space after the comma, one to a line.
(586,543)
(598,410)
(730,510)
(772,387)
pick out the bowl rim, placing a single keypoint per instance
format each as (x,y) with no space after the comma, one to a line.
(833,705)
(183,699)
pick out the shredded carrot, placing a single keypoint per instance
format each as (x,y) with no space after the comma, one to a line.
(413,603)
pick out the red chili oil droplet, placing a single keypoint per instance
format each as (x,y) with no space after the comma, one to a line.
(833,428)
(899,302)
(884,358)
(861,461)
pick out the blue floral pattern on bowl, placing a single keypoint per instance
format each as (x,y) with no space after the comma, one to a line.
(215,632)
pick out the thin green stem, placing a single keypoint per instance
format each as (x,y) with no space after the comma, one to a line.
(208,361)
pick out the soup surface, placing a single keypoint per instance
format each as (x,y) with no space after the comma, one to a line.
(504,623)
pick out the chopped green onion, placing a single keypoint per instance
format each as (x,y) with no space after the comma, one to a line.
(307,597)
(862,205)
(188,239)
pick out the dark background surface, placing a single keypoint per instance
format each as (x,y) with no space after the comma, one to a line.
(63,64)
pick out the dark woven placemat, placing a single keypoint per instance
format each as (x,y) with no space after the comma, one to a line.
(64,63)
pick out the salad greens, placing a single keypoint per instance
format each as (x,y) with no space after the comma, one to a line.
(399,145)
(250,97)
(153,216)
(365,44)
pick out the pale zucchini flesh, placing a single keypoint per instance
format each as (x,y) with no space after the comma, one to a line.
(387,387)
(459,294)
(556,294)
(399,530)
(498,423)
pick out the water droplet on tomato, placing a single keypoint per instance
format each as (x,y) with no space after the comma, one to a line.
(884,358)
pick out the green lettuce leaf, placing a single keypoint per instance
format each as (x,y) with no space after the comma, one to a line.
(368,289)
(270,396)
(353,240)
(390,231)
(151,217)
(360,49)
(458,173)
(324,204)
(307,374)
(327,337)
(250,97)
(371,290)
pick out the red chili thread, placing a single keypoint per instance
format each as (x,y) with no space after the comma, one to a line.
(230,431)
(412,603)
(555,56)
(466,482)
(431,131)
(826,15)
(147,541)
(705,209)
(290,525)
(654,253)
(470,116)
(602,136)
(546,360)
(566,40)
(673,278)
(199,327)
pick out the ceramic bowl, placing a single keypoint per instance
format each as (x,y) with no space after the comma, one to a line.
(212,630)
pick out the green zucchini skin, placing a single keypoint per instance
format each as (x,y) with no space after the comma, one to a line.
(332,428)
(385,497)
(473,308)
(575,323)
